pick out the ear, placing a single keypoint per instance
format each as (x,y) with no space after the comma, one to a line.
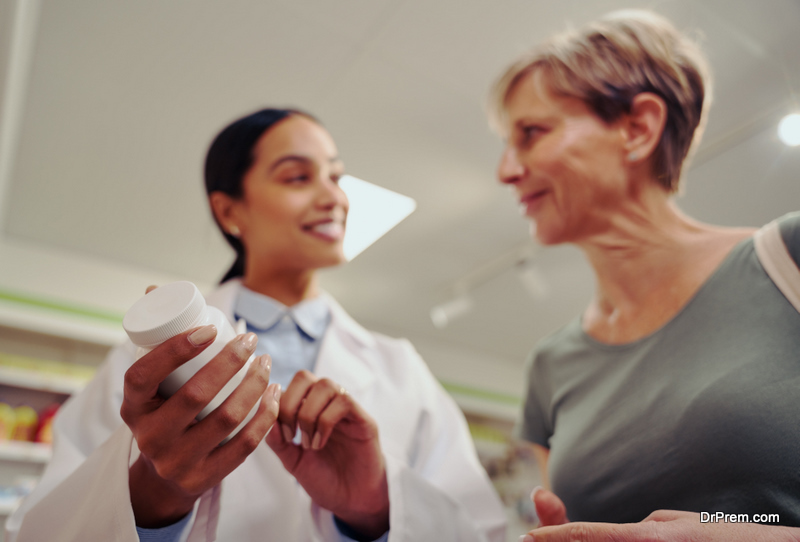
(644,125)
(224,208)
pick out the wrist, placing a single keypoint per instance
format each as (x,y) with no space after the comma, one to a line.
(368,524)
(156,502)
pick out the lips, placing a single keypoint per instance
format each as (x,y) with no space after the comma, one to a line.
(531,201)
(329,230)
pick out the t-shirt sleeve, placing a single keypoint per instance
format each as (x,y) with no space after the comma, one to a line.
(534,424)
(790,231)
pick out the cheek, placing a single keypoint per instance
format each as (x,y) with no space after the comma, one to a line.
(589,157)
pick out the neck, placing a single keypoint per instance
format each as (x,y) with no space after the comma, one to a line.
(289,287)
(641,252)
(649,260)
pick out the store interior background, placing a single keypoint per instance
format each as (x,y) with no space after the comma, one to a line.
(108,108)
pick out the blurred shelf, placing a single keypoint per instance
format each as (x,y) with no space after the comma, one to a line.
(43,375)
(39,382)
(59,324)
(31,452)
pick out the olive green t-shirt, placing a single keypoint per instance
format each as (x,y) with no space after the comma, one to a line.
(702,415)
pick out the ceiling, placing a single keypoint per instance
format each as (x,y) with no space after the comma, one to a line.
(103,154)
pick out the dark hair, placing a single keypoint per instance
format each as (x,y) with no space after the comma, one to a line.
(229,158)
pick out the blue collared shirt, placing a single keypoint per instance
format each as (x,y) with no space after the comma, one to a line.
(292,336)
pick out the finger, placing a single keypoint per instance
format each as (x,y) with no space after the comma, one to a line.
(319,395)
(291,400)
(549,508)
(671,515)
(206,383)
(284,448)
(335,412)
(229,415)
(250,436)
(596,532)
(150,289)
(144,376)
(354,420)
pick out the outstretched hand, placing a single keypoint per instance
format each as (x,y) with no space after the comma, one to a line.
(664,526)
(338,460)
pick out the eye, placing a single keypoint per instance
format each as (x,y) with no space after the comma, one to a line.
(530,133)
(301,178)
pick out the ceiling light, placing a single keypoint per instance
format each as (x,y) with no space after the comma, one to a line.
(789,129)
(373,212)
(532,279)
(442,315)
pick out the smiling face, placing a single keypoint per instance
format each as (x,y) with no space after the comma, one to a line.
(292,213)
(566,165)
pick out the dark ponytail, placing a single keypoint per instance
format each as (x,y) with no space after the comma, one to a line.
(229,158)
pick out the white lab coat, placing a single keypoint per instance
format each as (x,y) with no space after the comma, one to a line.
(437,488)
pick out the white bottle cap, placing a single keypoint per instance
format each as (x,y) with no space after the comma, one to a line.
(163,313)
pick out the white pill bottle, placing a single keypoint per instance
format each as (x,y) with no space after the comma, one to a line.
(172,309)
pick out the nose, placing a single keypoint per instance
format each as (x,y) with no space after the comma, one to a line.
(510,169)
(331,194)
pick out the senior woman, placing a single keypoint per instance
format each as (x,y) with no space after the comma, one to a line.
(675,391)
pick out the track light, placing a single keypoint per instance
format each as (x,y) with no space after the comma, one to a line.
(444,313)
(789,130)
(461,303)
(532,279)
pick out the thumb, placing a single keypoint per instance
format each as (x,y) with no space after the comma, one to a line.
(287,452)
(549,507)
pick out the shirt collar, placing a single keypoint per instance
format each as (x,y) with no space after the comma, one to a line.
(263,312)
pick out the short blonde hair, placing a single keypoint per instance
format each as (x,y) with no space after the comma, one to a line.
(608,62)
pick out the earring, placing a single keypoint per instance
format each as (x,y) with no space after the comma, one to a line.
(633,156)
(233,230)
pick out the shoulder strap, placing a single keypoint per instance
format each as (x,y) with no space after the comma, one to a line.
(777,262)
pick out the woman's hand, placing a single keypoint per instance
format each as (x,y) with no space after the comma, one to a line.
(664,526)
(549,508)
(181,457)
(339,461)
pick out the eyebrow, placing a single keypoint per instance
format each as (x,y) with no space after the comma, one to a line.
(299,158)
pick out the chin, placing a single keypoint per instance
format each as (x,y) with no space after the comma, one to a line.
(545,235)
(331,261)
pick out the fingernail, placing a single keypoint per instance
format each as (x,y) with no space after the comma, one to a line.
(316,442)
(288,434)
(533,493)
(202,335)
(245,344)
(276,394)
(265,361)
(305,440)
(526,538)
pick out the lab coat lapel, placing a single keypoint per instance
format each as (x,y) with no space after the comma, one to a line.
(345,352)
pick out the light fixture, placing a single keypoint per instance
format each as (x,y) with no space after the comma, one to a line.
(532,279)
(460,302)
(374,211)
(446,312)
(789,129)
